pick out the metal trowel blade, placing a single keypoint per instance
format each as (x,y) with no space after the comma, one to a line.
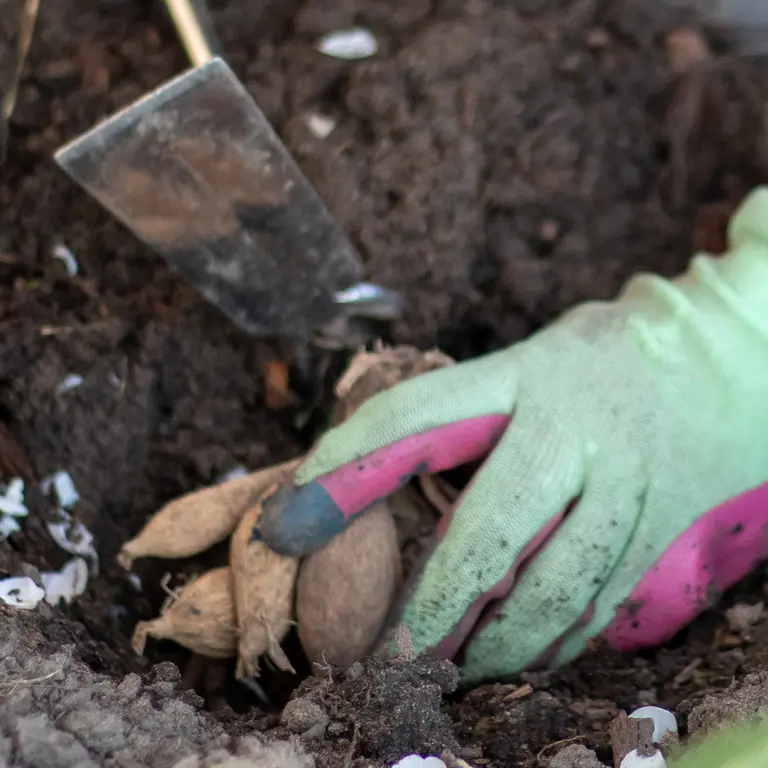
(195,171)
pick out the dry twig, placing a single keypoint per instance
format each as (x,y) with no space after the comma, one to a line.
(27,22)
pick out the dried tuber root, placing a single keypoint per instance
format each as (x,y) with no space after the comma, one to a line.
(369,373)
(201,618)
(196,521)
(264,586)
(345,590)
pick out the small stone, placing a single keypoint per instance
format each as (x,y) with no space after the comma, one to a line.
(355,671)
(742,616)
(300,715)
(575,756)
(316,732)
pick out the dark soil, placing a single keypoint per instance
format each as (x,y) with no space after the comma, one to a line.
(495,161)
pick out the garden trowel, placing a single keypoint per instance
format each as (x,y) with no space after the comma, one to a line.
(195,170)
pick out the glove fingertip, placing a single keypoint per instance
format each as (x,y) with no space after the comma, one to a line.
(298,520)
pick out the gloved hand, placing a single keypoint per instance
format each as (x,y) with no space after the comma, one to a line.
(627,476)
(734,746)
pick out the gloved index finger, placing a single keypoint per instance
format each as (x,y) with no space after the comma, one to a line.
(434,422)
(297,520)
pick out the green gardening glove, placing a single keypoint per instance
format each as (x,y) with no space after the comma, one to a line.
(742,746)
(626,478)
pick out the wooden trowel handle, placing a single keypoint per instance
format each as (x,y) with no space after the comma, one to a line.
(195,28)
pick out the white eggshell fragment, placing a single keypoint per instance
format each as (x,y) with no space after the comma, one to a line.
(73,537)
(69,382)
(633,760)
(67,584)
(663,720)
(63,254)
(21,592)
(353,43)
(12,499)
(63,486)
(8,526)
(320,126)
(417,761)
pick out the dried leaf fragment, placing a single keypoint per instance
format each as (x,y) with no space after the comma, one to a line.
(277,395)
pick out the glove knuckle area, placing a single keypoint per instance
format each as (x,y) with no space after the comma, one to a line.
(504,514)
(556,590)
(477,388)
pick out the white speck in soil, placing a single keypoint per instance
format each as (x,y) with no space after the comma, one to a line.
(8,526)
(633,760)
(68,383)
(63,486)
(320,126)
(416,761)
(63,254)
(68,583)
(73,537)
(351,44)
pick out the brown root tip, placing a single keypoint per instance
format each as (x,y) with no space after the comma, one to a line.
(125,558)
(280,660)
(140,634)
(244,669)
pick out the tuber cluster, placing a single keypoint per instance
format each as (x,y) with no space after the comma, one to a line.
(340,597)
